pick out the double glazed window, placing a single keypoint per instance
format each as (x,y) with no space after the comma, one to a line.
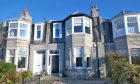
(11,55)
(87,26)
(79,57)
(57,30)
(132,24)
(22,57)
(17,29)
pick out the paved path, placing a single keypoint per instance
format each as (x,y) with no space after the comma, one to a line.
(58,80)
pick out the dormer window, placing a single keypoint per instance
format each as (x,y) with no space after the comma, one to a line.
(38,31)
(57,30)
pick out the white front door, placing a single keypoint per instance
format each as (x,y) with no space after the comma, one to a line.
(38,66)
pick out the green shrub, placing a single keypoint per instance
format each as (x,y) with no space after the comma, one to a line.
(7,67)
(26,74)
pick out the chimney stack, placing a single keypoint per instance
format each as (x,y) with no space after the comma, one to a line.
(94,11)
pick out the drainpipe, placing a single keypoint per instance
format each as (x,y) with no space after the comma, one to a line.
(97,58)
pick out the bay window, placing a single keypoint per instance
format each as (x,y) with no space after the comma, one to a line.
(79,57)
(57,30)
(132,24)
(18,29)
(22,58)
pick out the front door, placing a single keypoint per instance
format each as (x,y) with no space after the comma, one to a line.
(55,63)
(38,62)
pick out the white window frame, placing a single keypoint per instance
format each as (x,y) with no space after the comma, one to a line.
(75,56)
(132,22)
(26,61)
(41,32)
(13,28)
(18,30)
(83,25)
(60,30)
(27,30)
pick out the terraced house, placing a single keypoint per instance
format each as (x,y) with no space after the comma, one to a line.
(74,44)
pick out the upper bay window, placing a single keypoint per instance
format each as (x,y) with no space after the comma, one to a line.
(78,25)
(132,24)
(57,30)
(18,29)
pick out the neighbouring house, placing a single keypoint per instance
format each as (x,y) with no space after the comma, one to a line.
(126,34)
(76,44)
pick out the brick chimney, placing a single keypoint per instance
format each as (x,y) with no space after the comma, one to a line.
(94,11)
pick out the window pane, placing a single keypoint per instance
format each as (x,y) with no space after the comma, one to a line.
(132,27)
(79,62)
(22,25)
(38,28)
(23,33)
(13,25)
(57,33)
(54,51)
(13,32)
(87,29)
(38,34)
(78,29)
(78,20)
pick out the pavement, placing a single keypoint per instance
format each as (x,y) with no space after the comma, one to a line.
(66,80)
